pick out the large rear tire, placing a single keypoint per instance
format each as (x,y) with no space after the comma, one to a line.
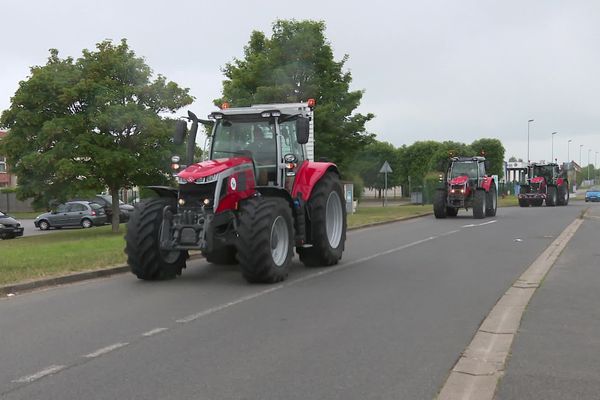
(451,211)
(523,203)
(563,194)
(266,239)
(327,210)
(479,204)
(552,196)
(440,209)
(225,255)
(142,240)
(491,201)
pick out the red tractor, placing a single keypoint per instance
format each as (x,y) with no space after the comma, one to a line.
(466,185)
(256,197)
(545,182)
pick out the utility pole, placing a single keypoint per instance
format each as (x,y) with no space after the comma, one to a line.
(528,123)
(552,159)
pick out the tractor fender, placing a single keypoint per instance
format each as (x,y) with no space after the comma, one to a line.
(487,183)
(560,181)
(164,191)
(309,173)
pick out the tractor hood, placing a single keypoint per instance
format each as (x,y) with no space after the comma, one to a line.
(211,167)
(537,179)
(459,180)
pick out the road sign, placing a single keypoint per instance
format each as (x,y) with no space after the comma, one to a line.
(385,168)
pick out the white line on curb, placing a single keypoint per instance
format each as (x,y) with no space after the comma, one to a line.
(105,350)
(38,375)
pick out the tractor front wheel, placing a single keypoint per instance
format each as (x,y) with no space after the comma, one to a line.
(523,203)
(142,240)
(479,204)
(327,210)
(440,209)
(266,239)
(451,211)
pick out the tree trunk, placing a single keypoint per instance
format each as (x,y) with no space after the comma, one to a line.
(114,192)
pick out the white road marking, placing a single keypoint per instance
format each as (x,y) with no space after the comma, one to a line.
(154,331)
(450,233)
(38,375)
(482,224)
(106,349)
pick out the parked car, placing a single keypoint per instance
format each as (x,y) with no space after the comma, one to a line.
(72,213)
(10,228)
(105,201)
(593,194)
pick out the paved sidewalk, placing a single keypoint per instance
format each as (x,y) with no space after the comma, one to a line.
(556,354)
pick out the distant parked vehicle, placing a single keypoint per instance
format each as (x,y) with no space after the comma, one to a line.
(73,213)
(105,201)
(10,228)
(593,194)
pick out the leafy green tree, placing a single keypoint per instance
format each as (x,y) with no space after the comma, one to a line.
(368,162)
(296,63)
(417,161)
(91,123)
(446,150)
(493,150)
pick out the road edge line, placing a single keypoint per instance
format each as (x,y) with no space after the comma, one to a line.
(480,366)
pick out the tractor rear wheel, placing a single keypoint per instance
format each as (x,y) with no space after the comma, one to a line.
(440,209)
(552,196)
(563,195)
(224,255)
(144,256)
(266,239)
(537,202)
(479,204)
(451,211)
(491,201)
(327,210)
(523,203)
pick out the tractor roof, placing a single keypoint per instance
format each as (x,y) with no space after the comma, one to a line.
(284,109)
(462,159)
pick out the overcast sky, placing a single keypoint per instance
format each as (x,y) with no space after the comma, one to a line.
(433,69)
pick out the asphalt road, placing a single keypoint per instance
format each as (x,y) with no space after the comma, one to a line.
(388,322)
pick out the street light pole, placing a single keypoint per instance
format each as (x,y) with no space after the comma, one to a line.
(528,123)
(568,145)
(552,159)
(580,147)
(589,151)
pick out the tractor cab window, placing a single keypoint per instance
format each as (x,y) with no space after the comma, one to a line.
(481,170)
(547,171)
(464,168)
(289,141)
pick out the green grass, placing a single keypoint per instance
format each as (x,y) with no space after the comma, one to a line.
(508,201)
(60,253)
(369,215)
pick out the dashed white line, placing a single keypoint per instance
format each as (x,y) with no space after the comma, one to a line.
(106,349)
(482,224)
(38,375)
(154,331)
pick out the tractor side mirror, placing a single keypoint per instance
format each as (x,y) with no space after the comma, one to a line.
(302,129)
(180,131)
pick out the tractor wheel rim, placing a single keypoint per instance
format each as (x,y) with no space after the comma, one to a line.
(334,219)
(280,241)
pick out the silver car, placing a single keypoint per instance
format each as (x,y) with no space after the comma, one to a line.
(72,213)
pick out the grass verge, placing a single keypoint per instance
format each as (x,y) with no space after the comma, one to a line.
(60,253)
(369,215)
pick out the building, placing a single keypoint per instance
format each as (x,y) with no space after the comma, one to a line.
(6,178)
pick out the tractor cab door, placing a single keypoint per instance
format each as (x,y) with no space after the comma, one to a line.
(291,150)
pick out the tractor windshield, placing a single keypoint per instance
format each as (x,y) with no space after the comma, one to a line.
(460,168)
(250,138)
(546,171)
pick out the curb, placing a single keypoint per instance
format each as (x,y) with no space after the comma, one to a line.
(11,290)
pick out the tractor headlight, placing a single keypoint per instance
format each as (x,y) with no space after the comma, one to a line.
(175,159)
(207,179)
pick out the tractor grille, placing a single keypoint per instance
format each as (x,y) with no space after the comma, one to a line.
(194,194)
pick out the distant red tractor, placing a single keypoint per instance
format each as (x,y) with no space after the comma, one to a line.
(256,198)
(545,182)
(466,184)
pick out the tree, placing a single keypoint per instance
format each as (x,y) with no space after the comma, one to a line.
(493,150)
(90,124)
(368,162)
(417,161)
(296,63)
